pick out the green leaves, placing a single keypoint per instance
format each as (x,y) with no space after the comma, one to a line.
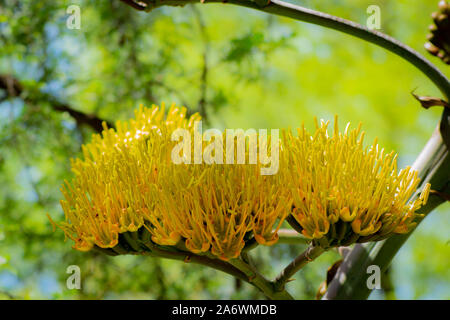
(244,46)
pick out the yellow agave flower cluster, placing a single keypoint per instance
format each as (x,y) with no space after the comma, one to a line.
(127,181)
(336,191)
(344,192)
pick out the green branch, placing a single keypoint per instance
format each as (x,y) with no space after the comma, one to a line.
(292,268)
(235,267)
(256,279)
(154,250)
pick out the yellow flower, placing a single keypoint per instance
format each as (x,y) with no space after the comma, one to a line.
(344,192)
(216,207)
(126,182)
(115,184)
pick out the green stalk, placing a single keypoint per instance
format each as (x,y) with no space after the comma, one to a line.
(257,280)
(292,268)
(188,257)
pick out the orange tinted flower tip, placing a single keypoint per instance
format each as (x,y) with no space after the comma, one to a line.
(175,237)
(260,239)
(52,222)
(224,257)
(356,225)
(401,229)
(306,234)
(205,246)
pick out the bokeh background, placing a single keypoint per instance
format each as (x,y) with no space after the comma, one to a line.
(240,69)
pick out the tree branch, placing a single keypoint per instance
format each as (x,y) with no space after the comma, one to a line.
(135,4)
(14,88)
(155,251)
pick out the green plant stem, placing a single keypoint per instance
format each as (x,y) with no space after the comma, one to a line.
(250,244)
(293,223)
(296,12)
(292,268)
(188,257)
(256,279)
(235,267)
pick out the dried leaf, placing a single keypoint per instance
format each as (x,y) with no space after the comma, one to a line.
(428,102)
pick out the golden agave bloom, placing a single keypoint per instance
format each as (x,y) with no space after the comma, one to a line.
(128,195)
(344,192)
(127,186)
(218,207)
(115,184)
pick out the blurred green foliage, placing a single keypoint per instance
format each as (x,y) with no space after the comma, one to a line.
(240,69)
